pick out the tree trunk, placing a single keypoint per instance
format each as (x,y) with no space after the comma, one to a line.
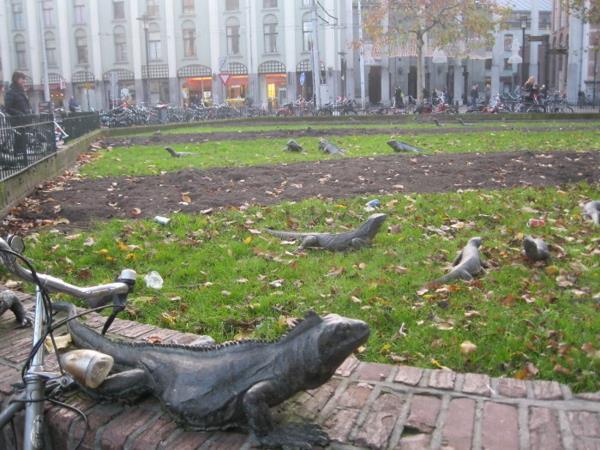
(420,68)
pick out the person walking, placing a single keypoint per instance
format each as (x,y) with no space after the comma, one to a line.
(474,95)
(399,102)
(17,106)
(74,105)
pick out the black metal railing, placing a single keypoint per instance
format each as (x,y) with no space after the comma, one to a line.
(77,124)
(24,140)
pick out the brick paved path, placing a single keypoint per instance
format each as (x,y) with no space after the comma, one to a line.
(364,406)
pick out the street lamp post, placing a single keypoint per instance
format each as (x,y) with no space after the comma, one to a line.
(523,28)
(145,19)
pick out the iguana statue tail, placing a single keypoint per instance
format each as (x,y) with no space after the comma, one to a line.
(9,300)
(467,264)
(592,210)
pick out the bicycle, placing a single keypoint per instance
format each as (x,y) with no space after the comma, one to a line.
(41,386)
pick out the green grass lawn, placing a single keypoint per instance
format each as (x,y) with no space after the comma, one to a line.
(153,159)
(224,279)
(355,123)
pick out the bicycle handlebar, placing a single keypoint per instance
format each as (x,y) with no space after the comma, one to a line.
(94,295)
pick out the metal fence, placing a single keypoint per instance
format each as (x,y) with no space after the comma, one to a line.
(78,124)
(25,140)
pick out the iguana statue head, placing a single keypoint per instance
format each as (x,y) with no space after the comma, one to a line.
(338,338)
(326,342)
(372,225)
(476,241)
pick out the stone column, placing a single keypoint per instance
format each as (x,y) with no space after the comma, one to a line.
(64,48)
(94,36)
(137,50)
(289,46)
(174,88)
(459,81)
(254,88)
(34,47)
(215,53)
(575,58)
(534,30)
(5,54)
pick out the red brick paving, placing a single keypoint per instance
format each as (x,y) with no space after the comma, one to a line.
(365,405)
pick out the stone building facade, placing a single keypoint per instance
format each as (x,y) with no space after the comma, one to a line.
(575,50)
(177,51)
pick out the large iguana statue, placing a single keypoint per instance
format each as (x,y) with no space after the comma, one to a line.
(592,210)
(466,265)
(350,240)
(9,300)
(231,385)
(535,249)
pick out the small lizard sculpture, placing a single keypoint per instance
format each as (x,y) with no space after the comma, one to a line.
(293,146)
(349,240)
(175,154)
(467,264)
(327,147)
(535,249)
(398,146)
(592,211)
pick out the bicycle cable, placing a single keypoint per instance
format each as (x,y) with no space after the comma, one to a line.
(50,327)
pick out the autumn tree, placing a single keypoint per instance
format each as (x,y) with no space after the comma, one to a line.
(588,10)
(389,23)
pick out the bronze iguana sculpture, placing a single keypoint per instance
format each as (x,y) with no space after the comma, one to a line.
(399,146)
(349,240)
(467,264)
(293,146)
(535,249)
(176,154)
(234,384)
(592,211)
(328,147)
(9,300)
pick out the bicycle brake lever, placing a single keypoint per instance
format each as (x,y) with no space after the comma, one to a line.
(120,300)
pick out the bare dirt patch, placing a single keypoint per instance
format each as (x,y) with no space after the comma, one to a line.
(85,201)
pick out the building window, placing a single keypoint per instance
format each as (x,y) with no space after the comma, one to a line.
(488,64)
(189,39)
(81,47)
(17,15)
(21,52)
(154,41)
(118,9)
(232,5)
(152,8)
(233,37)
(508,40)
(50,49)
(306,3)
(269,4)
(48,14)
(507,65)
(545,18)
(188,6)
(270,33)
(120,37)
(306,32)
(79,12)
